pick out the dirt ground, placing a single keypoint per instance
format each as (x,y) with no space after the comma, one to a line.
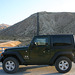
(38,70)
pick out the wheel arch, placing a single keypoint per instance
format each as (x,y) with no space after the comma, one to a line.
(15,55)
(59,54)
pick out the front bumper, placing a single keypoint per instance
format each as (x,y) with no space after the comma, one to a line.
(1,59)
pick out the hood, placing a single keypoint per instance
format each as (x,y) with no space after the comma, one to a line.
(18,48)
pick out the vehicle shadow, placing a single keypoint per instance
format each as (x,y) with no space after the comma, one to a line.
(21,69)
(54,74)
(28,70)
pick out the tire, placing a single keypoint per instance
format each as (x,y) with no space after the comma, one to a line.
(10,65)
(63,64)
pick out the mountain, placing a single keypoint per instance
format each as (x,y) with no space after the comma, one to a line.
(3,26)
(25,28)
(49,23)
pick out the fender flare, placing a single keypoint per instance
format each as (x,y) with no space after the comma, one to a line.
(17,54)
(58,54)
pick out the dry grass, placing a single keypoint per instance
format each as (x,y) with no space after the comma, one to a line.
(9,44)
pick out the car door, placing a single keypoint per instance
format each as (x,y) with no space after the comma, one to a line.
(40,51)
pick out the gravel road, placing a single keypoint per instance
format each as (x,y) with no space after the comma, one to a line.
(38,70)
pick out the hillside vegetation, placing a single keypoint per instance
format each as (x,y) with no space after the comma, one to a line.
(50,23)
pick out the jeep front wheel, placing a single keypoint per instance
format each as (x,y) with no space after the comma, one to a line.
(63,64)
(10,65)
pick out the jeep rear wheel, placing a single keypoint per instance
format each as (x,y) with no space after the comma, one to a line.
(10,65)
(63,64)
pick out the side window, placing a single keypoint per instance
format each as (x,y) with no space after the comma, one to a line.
(61,41)
(40,41)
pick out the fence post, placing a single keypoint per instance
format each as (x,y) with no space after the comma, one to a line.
(37,23)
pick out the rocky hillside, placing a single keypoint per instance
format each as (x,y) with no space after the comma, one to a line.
(57,23)
(3,26)
(50,23)
(25,28)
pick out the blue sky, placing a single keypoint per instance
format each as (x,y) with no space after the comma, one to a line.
(13,11)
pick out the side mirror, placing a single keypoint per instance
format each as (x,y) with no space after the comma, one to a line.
(35,43)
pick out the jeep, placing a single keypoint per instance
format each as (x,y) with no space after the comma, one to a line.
(53,50)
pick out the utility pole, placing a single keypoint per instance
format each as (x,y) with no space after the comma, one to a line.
(37,24)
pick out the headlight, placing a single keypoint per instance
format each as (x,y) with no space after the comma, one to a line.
(3,51)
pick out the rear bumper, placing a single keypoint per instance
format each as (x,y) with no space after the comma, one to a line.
(1,59)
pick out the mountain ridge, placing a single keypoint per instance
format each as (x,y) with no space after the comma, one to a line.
(49,23)
(3,26)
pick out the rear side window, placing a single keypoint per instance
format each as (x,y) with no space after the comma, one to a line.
(62,41)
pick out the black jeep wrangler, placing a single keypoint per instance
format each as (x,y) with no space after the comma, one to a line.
(51,50)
